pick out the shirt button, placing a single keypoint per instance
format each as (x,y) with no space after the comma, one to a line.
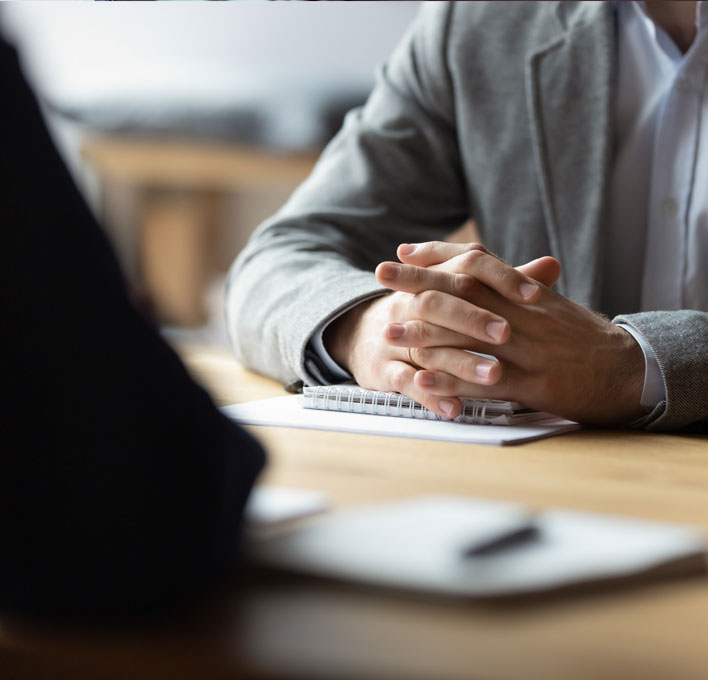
(683,86)
(669,207)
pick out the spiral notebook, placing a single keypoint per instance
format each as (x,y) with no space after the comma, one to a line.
(355,399)
(492,422)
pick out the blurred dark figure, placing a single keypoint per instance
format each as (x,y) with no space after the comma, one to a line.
(121,486)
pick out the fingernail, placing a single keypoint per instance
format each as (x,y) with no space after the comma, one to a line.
(389,271)
(483,369)
(395,330)
(528,290)
(428,379)
(495,329)
(446,407)
(407,248)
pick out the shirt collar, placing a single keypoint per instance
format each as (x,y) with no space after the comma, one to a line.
(662,38)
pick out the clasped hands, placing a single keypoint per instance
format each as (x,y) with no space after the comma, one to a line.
(450,300)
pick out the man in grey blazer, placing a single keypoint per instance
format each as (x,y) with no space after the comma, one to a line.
(564,129)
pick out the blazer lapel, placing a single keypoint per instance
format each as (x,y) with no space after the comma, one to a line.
(569,85)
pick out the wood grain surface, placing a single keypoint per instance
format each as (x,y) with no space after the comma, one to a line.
(271,625)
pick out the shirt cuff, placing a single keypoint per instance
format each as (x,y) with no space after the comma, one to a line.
(316,344)
(654,391)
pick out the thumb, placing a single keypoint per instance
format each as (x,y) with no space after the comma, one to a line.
(545,270)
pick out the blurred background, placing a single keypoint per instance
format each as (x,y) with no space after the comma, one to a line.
(186,124)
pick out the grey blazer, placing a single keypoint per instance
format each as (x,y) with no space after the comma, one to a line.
(499,111)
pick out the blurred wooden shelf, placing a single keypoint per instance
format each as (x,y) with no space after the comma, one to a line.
(193,165)
(181,187)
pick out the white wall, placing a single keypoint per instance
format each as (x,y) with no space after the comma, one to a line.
(200,48)
(133,52)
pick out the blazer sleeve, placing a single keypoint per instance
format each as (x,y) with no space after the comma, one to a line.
(391,175)
(121,485)
(679,340)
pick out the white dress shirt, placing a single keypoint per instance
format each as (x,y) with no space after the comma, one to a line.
(657,236)
(658,220)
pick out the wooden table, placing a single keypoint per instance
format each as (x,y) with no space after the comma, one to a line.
(279,626)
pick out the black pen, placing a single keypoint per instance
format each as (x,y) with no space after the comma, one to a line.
(500,543)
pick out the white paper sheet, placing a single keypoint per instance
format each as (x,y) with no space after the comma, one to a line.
(416,544)
(273,505)
(287,412)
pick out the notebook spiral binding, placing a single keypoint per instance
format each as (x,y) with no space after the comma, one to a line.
(357,400)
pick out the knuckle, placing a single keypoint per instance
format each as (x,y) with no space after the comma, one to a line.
(448,383)
(426,301)
(426,247)
(398,305)
(414,274)
(416,332)
(509,275)
(423,332)
(471,259)
(465,285)
(421,355)
(464,368)
(472,319)
(398,379)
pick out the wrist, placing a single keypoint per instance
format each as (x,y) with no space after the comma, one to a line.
(340,337)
